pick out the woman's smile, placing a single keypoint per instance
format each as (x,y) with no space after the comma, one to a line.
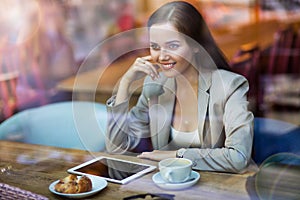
(167,66)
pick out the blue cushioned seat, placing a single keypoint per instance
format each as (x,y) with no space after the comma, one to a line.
(274,136)
(79,125)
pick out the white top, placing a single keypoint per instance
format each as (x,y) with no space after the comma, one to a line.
(185,139)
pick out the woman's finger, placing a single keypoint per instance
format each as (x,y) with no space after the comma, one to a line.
(147,58)
(143,65)
(147,61)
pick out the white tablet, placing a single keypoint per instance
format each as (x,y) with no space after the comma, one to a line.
(112,169)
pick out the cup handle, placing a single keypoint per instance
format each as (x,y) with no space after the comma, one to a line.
(169,175)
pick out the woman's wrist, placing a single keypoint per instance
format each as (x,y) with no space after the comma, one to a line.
(125,82)
(123,91)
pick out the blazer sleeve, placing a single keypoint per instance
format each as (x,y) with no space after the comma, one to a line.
(235,155)
(127,129)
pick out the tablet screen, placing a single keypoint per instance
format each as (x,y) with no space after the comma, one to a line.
(116,170)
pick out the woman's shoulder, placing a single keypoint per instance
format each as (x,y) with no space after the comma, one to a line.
(229,81)
(226,75)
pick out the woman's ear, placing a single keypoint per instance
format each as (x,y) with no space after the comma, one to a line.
(195,49)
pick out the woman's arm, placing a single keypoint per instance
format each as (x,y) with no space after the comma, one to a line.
(128,129)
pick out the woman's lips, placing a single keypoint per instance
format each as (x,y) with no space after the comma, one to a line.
(167,66)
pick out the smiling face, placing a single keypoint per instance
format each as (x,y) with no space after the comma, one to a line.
(170,49)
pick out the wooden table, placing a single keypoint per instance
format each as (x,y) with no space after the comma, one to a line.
(34,168)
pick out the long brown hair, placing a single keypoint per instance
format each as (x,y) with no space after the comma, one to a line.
(189,22)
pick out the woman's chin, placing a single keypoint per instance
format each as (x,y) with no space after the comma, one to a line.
(170,73)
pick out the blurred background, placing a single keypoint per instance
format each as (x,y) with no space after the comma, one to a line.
(48,46)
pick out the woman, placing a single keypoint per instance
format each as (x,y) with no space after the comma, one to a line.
(190,106)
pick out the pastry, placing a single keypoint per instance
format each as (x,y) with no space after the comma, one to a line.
(73,185)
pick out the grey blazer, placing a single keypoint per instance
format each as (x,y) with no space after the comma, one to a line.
(225,124)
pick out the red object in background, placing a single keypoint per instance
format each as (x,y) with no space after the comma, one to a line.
(281,51)
(8,81)
(125,22)
(295,65)
(8,97)
(246,62)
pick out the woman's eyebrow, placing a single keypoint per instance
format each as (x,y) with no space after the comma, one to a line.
(168,42)
(172,41)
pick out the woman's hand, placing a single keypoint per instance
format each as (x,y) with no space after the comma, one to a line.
(158,155)
(140,68)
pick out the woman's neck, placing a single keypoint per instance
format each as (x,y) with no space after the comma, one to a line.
(186,106)
(188,78)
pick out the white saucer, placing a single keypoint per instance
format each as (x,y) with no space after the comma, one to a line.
(157,179)
(98,184)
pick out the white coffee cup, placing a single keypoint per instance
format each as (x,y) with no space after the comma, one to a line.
(175,170)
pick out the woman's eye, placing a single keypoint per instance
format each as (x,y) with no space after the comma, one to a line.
(173,46)
(154,47)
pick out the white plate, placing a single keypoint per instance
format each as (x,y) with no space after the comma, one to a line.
(98,184)
(157,179)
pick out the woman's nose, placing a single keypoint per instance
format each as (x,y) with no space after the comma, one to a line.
(163,55)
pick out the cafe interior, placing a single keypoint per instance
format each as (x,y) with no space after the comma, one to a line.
(61,60)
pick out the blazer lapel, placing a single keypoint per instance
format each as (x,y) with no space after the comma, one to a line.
(161,111)
(203,100)
(167,101)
